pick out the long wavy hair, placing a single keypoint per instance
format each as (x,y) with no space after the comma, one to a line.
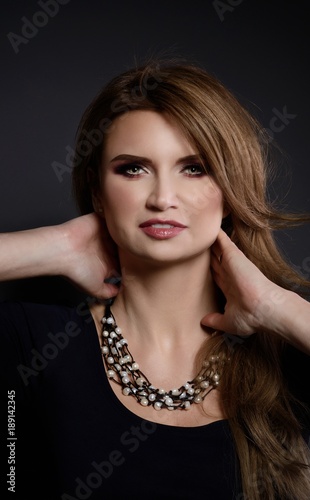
(273,456)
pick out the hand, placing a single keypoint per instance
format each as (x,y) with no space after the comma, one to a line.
(250,296)
(91,256)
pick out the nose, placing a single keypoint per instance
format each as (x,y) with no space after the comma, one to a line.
(163,194)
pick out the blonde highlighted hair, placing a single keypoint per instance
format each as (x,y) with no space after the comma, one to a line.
(234,147)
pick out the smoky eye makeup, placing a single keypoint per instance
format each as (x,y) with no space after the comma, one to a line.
(129,169)
(134,170)
(127,166)
(194,170)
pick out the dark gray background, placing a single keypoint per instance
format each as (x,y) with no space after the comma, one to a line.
(259,49)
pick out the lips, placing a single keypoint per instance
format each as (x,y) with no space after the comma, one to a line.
(161,222)
(162,229)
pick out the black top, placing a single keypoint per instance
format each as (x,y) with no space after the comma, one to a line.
(75,439)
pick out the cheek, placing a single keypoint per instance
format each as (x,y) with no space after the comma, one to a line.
(207,199)
(119,205)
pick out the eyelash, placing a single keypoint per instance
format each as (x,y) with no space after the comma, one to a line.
(124,170)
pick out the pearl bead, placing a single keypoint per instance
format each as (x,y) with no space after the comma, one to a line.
(168,401)
(117,356)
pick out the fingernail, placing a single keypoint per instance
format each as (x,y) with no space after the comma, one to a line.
(113,280)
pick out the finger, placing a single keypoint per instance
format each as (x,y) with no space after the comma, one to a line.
(223,242)
(214,320)
(215,263)
(216,250)
(219,282)
(107,291)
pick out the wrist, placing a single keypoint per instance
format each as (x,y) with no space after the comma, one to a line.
(287,314)
(49,250)
(271,310)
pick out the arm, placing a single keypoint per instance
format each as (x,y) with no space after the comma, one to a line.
(80,250)
(254,303)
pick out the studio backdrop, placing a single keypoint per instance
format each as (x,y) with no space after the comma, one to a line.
(57,54)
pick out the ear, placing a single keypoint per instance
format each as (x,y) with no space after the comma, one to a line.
(93,183)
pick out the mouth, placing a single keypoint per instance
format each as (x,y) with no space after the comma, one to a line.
(162,229)
(166,224)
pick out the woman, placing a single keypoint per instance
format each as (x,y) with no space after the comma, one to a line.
(179,384)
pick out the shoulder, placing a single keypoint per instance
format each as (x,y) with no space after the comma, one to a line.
(25,326)
(37,340)
(20,313)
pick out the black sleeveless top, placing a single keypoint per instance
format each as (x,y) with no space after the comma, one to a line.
(75,439)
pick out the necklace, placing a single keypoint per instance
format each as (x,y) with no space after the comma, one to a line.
(122,369)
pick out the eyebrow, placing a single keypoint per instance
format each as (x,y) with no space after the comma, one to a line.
(143,159)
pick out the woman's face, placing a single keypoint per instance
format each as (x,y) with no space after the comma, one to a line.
(158,202)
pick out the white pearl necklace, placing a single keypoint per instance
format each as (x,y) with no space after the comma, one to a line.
(122,369)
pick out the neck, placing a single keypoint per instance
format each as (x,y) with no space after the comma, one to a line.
(159,310)
(159,306)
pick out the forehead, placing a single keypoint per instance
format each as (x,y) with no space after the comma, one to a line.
(142,132)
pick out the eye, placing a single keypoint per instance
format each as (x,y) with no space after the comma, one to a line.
(195,170)
(131,170)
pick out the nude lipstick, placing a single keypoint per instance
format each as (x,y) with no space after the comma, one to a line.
(162,229)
